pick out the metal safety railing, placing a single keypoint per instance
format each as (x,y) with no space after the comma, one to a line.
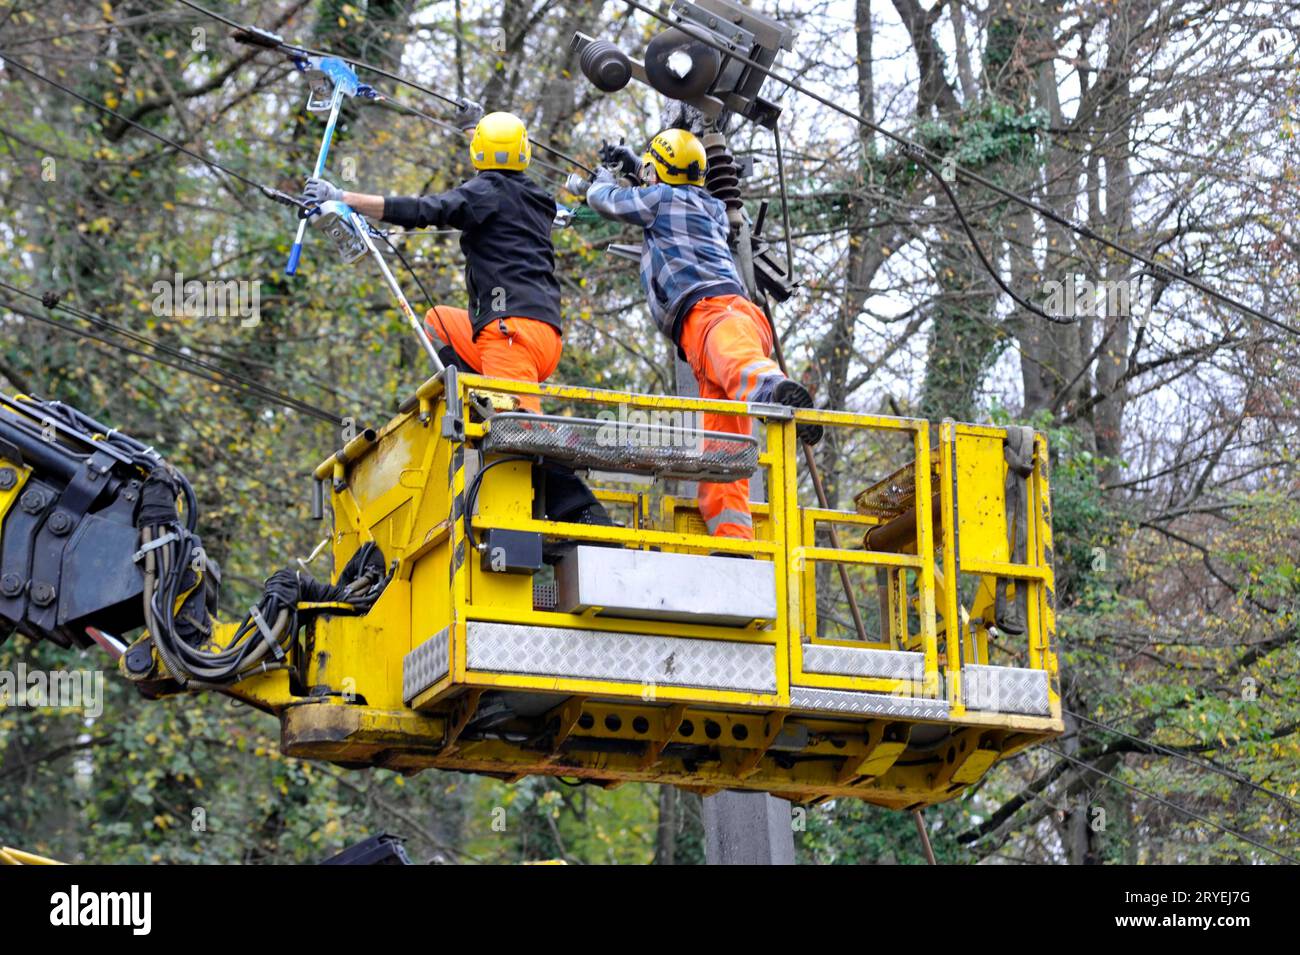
(933,552)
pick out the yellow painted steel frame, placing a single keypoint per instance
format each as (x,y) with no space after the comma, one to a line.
(405,489)
(11,856)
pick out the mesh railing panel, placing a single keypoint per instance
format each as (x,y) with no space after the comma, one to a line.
(629,447)
(891,496)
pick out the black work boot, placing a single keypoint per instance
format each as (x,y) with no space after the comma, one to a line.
(592,514)
(794,395)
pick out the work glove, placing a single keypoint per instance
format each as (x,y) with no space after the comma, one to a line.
(319,191)
(603,174)
(577,184)
(467,115)
(621,157)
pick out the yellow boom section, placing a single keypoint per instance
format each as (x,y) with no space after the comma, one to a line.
(654,654)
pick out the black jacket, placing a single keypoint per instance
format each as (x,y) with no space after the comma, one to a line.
(505,220)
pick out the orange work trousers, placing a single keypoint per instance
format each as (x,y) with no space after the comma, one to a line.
(727,341)
(522,349)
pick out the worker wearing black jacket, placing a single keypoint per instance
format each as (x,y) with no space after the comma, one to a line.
(501,213)
(512,328)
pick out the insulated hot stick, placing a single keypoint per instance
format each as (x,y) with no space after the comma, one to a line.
(343,83)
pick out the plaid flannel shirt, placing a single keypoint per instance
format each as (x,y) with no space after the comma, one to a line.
(684,256)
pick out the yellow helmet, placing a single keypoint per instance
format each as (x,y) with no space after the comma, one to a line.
(678,158)
(500,142)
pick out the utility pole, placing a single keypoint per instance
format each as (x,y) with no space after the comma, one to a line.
(747,829)
(741,828)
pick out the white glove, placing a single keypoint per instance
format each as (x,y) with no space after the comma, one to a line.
(577,184)
(468,113)
(321,191)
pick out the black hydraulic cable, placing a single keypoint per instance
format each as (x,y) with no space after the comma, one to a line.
(180,361)
(1174,806)
(258,37)
(471,494)
(1194,761)
(273,194)
(918,154)
(407,265)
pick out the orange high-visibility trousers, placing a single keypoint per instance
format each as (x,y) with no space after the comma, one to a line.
(522,349)
(727,341)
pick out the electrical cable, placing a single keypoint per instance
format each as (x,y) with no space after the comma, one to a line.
(1199,763)
(1174,806)
(54,323)
(150,18)
(407,265)
(181,362)
(186,361)
(273,194)
(918,154)
(258,37)
(471,493)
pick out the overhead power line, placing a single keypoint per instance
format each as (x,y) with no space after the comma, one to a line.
(274,194)
(1187,758)
(919,153)
(261,37)
(163,354)
(1190,813)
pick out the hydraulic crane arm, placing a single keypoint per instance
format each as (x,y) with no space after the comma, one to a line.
(70,490)
(97,538)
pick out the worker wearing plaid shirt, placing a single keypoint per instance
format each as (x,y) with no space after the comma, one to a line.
(697,299)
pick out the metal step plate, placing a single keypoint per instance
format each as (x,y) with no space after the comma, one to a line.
(621,657)
(646,585)
(864,661)
(867,704)
(1005,690)
(426,665)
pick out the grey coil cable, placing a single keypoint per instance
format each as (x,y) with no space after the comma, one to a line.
(180,595)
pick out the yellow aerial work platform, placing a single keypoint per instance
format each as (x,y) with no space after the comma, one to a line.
(655,652)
